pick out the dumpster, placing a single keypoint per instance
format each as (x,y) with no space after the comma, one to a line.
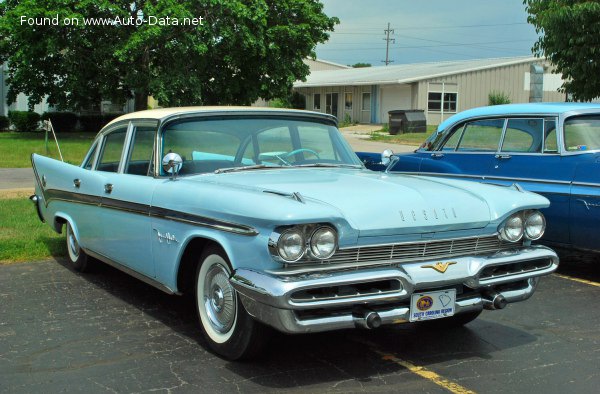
(407,121)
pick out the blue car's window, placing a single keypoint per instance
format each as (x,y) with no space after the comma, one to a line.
(481,136)
(212,144)
(110,157)
(550,142)
(141,150)
(582,133)
(524,135)
(89,160)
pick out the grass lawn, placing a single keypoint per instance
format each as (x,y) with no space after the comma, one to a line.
(16,148)
(22,236)
(415,139)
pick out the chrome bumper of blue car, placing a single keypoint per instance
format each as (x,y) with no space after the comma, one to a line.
(342,299)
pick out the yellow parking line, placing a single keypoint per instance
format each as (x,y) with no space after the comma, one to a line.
(587,282)
(427,374)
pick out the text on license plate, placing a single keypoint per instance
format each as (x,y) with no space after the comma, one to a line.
(432,305)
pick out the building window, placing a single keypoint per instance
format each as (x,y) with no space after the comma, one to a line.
(348,101)
(435,102)
(366,101)
(317,101)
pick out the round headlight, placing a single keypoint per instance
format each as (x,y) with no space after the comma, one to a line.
(291,245)
(535,225)
(513,228)
(323,242)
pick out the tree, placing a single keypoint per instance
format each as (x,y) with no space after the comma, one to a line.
(239,51)
(571,41)
(360,65)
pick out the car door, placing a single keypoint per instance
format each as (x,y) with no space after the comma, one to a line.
(468,150)
(125,162)
(529,156)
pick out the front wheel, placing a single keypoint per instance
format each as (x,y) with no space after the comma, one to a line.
(78,258)
(230,331)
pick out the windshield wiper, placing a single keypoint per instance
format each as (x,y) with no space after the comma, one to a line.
(244,168)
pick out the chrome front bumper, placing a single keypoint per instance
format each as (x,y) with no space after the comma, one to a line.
(309,302)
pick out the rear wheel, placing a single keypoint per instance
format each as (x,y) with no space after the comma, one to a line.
(79,259)
(230,331)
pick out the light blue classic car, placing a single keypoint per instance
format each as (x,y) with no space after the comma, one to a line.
(270,220)
(548,148)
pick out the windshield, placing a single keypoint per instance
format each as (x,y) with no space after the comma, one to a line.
(249,143)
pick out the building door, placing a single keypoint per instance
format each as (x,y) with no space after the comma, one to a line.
(365,108)
(331,104)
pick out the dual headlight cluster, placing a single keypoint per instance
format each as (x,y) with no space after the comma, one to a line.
(529,224)
(293,243)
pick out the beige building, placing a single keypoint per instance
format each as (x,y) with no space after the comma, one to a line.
(441,89)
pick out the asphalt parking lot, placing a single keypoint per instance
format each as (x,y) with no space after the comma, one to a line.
(107,332)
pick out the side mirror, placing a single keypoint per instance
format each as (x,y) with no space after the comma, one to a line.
(389,159)
(386,156)
(172,164)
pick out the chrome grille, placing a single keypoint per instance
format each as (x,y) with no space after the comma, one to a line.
(414,251)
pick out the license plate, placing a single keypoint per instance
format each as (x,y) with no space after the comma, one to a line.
(432,305)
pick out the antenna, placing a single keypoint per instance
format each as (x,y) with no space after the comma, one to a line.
(387,40)
(49,127)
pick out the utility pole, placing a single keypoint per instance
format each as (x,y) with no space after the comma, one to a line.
(387,46)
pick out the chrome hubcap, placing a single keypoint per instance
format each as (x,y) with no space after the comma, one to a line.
(219,299)
(73,244)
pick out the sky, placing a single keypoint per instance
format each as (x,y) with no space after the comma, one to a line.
(426,30)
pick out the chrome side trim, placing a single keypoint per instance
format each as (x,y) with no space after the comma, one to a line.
(586,184)
(131,272)
(147,210)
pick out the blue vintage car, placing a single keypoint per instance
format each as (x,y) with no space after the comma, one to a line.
(549,148)
(270,220)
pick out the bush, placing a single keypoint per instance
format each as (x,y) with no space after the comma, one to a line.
(24,120)
(3,123)
(497,98)
(63,122)
(95,122)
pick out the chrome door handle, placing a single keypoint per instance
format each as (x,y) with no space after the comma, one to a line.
(437,155)
(76,183)
(108,188)
(503,157)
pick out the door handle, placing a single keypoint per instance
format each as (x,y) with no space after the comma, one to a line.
(108,188)
(503,157)
(76,183)
(437,155)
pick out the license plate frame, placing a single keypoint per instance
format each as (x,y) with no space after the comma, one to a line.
(431,305)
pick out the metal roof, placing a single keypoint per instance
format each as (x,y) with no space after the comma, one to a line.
(404,73)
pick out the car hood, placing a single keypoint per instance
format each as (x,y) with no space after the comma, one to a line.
(374,203)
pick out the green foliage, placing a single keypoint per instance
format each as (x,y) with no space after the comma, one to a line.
(297,100)
(569,31)
(346,122)
(386,128)
(360,65)
(497,98)
(4,123)
(24,120)
(63,122)
(242,51)
(94,122)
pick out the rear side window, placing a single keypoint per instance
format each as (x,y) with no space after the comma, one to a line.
(141,150)
(524,135)
(481,136)
(110,157)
